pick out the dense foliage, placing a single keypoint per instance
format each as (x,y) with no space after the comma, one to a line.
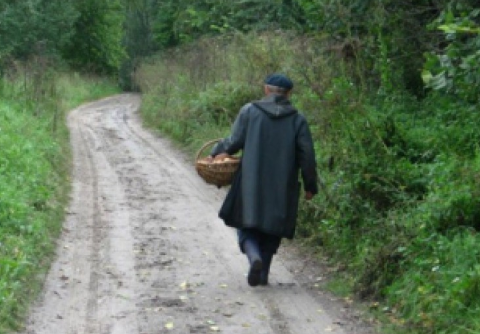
(391,36)
(43,25)
(87,34)
(96,42)
(454,68)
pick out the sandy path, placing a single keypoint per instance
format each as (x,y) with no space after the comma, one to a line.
(143,251)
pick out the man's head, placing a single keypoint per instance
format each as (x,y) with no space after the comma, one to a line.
(278,84)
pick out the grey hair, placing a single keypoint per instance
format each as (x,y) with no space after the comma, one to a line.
(277,90)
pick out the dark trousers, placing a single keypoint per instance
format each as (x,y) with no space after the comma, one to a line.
(267,243)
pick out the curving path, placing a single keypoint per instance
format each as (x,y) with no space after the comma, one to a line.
(143,252)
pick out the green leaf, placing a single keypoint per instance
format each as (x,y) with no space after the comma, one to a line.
(438,81)
(449,29)
(427,76)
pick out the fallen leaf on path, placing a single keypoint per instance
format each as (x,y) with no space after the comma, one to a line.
(169,325)
(215,329)
(123,296)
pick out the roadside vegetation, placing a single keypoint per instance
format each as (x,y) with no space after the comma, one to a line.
(34,178)
(50,61)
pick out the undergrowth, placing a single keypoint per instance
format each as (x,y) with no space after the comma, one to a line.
(398,211)
(34,179)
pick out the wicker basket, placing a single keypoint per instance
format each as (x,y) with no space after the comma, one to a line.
(219,173)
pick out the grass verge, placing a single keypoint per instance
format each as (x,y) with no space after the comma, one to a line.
(34,177)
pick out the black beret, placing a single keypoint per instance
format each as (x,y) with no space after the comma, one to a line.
(279,80)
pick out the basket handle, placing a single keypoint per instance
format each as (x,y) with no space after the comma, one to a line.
(207,144)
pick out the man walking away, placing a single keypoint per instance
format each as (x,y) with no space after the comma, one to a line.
(262,202)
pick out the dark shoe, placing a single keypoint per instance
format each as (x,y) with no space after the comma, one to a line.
(253,254)
(254,273)
(266,261)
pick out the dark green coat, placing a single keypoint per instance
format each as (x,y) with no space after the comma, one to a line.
(276,144)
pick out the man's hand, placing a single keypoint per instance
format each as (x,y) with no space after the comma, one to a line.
(308,195)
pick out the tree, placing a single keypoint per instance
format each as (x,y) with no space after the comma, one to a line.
(96,44)
(138,39)
(392,35)
(26,26)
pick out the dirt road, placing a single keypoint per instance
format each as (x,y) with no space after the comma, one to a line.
(143,251)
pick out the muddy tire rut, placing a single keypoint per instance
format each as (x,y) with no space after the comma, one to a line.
(143,252)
